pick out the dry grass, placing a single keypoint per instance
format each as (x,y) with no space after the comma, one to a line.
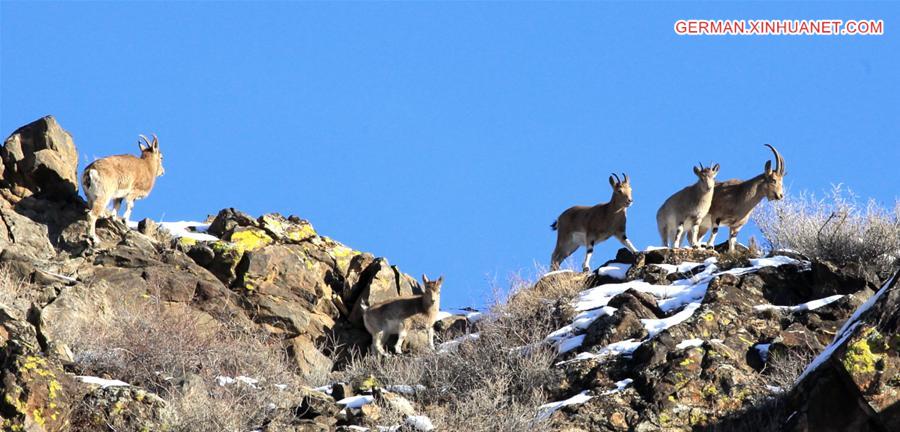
(178,354)
(495,382)
(15,292)
(836,228)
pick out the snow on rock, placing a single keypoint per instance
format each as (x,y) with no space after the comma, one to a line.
(620,385)
(324,389)
(808,306)
(655,326)
(681,299)
(680,268)
(614,270)
(420,423)
(223,381)
(404,389)
(846,330)
(186,229)
(104,383)
(689,343)
(546,410)
(556,272)
(453,344)
(356,401)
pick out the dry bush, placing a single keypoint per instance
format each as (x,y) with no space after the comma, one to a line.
(836,228)
(495,382)
(178,353)
(16,292)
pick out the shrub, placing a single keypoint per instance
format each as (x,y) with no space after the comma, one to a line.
(836,228)
(178,353)
(495,382)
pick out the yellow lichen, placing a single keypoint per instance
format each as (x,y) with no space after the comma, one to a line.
(709,317)
(859,357)
(187,241)
(250,239)
(301,232)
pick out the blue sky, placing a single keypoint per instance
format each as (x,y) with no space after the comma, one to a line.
(448,136)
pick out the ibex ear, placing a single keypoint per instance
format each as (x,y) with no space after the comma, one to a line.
(425,278)
(697,171)
(155,144)
(440,280)
(768,167)
(612,181)
(142,147)
(716,167)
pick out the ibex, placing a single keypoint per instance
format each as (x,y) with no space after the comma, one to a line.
(686,208)
(734,200)
(398,316)
(587,226)
(120,178)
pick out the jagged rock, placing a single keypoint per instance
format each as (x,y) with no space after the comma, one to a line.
(227,220)
(34,393)
(622,324)
(40,157)
(641,304)
(854,384)
(308,358)
(120,408)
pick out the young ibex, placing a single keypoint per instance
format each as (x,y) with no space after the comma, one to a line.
(587,226)
(734,200)
(398,316)
(120,178)
(686,208)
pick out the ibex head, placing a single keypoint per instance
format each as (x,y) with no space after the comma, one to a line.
(151,152)
(621,189)
(773,184)
(432,287)
(707,175)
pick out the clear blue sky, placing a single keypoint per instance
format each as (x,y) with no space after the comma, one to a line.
(448,136)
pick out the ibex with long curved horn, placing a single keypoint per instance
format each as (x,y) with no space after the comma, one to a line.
(734,200)
(587,226)
(684,210)
(120,178)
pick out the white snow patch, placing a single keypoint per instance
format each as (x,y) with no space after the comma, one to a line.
(570,343)
(683,297)
(614,270)
(405,389)
(356,401)
(681,268)
(546,410)
(281,387)
(689,343)
(808,306)
(774,389)
(556,272)
(420,423)
(775,261)
(187,229)
(223,381)
(443,315)
(655,326)
(620,385)
(102,382)
(846,329)
(324,389)
(453,344)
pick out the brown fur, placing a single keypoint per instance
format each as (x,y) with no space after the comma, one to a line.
(398,316)
(120,178)
(734,200)
(587,226)
(685,209)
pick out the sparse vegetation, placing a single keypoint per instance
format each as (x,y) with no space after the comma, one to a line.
(494,382)
(178,355)
(837,228)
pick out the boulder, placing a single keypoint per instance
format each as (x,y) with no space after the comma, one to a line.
(853,384)
(40,158)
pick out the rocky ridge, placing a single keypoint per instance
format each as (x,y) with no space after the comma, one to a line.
(662,340)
